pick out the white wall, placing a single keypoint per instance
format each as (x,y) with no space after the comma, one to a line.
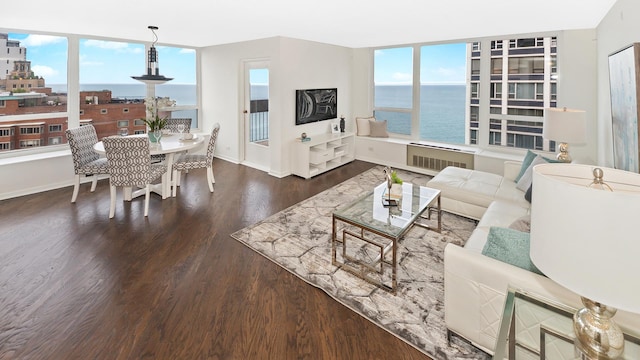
(294,64)
(619,28)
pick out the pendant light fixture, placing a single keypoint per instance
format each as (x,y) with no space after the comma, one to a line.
(153,70)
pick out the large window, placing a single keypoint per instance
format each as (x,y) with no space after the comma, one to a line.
(442,92)
(393,78)
(513,81)
(113,100)
(30,67)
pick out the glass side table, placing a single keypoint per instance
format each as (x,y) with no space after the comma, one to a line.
(536,328)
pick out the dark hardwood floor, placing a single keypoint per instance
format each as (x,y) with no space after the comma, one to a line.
(175,285)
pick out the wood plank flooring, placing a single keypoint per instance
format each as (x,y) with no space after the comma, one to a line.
(175,285)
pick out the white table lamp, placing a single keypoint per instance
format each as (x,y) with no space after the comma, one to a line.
(584,236)
(565,126)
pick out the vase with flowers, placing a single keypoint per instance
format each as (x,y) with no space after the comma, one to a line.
(154,121)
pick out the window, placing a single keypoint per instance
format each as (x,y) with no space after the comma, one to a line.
(525,68)
(5,146)
(27,130)
(116,98)
(139,122)
(55,140)
(5,132)
(443,91)
(55,128)
(40,77)
(393,88)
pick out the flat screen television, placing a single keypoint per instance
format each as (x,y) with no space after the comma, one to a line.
(316,105)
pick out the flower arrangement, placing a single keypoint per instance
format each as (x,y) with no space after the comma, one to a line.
(153,120)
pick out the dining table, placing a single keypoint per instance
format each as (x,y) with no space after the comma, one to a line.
(169,145)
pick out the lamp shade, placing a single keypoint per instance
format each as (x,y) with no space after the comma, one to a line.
(565,125)
(585,237)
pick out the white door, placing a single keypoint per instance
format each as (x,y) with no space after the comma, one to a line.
(256,115)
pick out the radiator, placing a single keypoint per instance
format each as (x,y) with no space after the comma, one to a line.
(438,157)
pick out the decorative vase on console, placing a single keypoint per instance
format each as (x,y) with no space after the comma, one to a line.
(342,124)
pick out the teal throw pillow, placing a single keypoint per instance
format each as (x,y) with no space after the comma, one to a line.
(525,163)
(509,246)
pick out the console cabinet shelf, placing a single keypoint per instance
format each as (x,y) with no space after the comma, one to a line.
(322,153)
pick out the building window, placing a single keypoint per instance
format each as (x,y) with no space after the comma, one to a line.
(139,122)
(5,132)
(496,90)
(29,143)
(5,146)
(2,103)
(125,110)
(30,130)
(55,140)
(81,112)
(55,128)
(123,123)
(138,132)
(103,111)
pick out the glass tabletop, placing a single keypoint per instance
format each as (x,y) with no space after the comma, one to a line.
(369,211)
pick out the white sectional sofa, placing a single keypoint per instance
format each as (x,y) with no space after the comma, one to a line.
(476,285)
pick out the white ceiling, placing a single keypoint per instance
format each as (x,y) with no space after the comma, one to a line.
(351,23)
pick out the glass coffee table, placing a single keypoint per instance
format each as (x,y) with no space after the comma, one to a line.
(367,233)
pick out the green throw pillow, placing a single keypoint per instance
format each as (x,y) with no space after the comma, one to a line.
(509,246)
(525,163)
(528,159)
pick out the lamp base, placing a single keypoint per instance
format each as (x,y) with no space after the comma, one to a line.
(598,337)
(563,154)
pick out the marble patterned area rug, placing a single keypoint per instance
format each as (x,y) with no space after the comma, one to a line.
(299,240)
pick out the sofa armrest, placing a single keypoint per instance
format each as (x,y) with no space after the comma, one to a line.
(475,288)
(511,169)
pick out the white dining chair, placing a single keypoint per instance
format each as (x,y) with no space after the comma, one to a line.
(130,166)
(85,161)
(187,162)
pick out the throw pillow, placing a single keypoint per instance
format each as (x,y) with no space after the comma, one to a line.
(511,247)
(362,125)
(526,179)
(378,128)
(528,158)
(522,223)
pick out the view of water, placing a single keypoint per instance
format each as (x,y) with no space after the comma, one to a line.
(442,107)
(442,111)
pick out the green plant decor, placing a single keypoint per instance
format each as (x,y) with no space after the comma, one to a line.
(157,123)
(394,178)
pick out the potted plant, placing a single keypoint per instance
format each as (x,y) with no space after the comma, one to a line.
(396,185)
(155,124)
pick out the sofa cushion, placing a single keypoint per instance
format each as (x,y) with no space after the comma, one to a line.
(509,246)
(470,186)
(522,223)
(499,213)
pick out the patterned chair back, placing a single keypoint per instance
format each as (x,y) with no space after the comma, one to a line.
(129,160)
(172,124)
(212,143)
(81,141)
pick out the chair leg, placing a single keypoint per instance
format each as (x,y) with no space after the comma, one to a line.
(94,182)
(76,188)
(210,178)
(112,206)
(146,199)
(176,182)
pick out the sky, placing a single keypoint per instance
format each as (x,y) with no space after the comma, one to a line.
(108,62)
(103,62)
(440,64)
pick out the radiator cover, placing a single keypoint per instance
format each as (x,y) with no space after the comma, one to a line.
(438,157)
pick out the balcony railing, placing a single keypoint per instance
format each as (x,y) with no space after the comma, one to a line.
(259,121)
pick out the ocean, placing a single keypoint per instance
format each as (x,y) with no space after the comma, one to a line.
(442,115)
